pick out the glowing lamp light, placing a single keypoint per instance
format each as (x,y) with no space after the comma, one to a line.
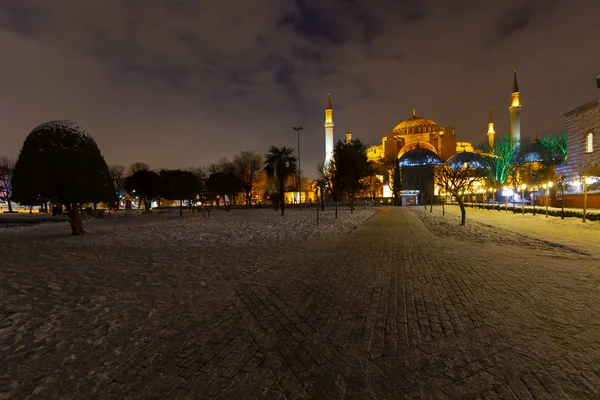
(523,186)
(507,192)
(588,180)
(550,184)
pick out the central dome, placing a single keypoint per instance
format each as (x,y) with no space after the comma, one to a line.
(414,122)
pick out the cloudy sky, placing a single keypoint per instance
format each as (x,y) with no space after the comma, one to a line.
(179,83)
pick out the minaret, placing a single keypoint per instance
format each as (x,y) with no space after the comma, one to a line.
(328,131)
(491,133)
(515,113)
(348,134)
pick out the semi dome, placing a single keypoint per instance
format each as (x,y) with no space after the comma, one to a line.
(419,157)
(414,122)
(473,160)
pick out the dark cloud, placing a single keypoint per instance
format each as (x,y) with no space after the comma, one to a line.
(183,82)
(310,22)
(413,10)
(515,19)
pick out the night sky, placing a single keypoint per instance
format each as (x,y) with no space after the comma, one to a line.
(184,82)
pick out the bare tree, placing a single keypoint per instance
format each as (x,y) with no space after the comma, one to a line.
(246,165)
(7,166)
(456,180)
(117,173)
(371,187)
(324,181)
(391,175)
(137,166)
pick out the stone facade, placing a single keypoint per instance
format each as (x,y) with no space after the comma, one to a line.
(580,122)
(413,133)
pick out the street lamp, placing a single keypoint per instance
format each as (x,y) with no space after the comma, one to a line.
(585,181)
(533,196)
(298,129)
(523,187)
(562,181)
(547,187)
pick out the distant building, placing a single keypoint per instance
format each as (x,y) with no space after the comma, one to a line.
(461,147)
(412,133)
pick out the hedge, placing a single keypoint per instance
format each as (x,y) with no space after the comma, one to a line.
(538,210)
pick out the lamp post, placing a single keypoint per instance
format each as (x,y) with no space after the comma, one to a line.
(547,186)
(298,129)
(523,187)
(562,213)
(585,183)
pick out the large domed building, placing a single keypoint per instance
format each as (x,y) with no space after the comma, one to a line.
(416,132)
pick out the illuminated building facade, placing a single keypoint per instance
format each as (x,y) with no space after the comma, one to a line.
(583,139)
(412,133)
(515,112)
(491,133)
(328,131)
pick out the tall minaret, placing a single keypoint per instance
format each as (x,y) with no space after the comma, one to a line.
(515,113)
(348,134)
(328,131)
(491,133)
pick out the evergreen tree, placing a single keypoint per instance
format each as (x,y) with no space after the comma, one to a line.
(179,185)
(350,167)
(145,184)
(280,164)
(60,161)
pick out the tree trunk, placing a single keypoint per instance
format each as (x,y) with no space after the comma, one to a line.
(351,201)
(281,195)
(336,208)
(9,206)
(74,219)
(463,212)
(181,208)
(248,199)
(431,204)
(443,207)
(322,200)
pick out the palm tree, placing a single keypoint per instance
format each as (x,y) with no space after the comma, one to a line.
(280,164)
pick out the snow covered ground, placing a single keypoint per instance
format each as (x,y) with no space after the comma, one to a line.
(505,227)
(63,298)
(236,227)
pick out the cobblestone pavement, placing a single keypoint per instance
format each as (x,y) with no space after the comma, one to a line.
(389,311)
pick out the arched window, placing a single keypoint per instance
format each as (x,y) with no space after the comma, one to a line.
(589,142)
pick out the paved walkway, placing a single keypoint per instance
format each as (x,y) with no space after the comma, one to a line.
(388,311)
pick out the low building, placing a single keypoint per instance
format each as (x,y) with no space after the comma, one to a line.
(583,153)
(583,140)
